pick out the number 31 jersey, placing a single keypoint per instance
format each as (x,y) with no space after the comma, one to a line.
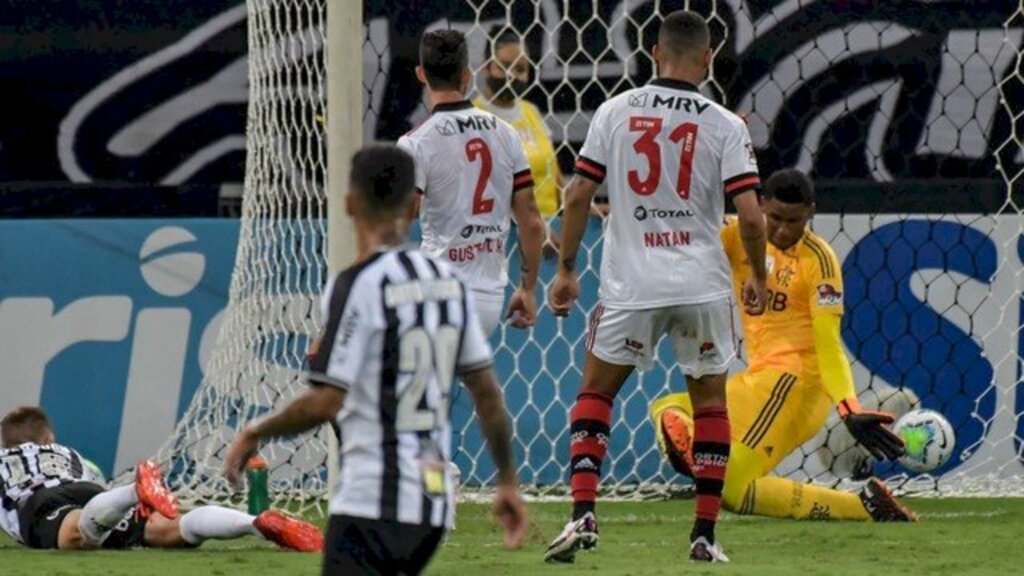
(670,157)
(469,163)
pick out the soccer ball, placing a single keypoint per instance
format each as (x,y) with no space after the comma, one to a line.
(929,439)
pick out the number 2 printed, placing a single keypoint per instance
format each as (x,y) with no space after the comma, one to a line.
(477,149)
(647,145)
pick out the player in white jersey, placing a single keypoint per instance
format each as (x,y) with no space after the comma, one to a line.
(50,500)
(472,176)
(670,157)
(400,326)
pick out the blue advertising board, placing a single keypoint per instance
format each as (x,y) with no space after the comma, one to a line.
(107,324)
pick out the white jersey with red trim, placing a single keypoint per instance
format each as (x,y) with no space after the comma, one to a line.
(670,158)
(469,164)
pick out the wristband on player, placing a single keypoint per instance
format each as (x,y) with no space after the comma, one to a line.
(849,406)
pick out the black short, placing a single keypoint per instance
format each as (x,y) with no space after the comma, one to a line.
(42,514)
(375,547)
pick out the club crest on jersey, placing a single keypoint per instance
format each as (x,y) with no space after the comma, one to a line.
(829,296)
(784,276)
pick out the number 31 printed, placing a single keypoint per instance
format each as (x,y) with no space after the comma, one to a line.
(647,145)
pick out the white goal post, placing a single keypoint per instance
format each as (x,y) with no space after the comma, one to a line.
(344,137)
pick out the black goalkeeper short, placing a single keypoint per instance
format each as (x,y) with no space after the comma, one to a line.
(42,514)
(377,548)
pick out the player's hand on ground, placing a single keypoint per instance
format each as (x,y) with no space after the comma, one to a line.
(564,292)
(870,430)
(522,308)
(510,513)
(755,296)
(241,450)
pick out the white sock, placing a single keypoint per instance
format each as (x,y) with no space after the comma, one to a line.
(215,522)
(105,511)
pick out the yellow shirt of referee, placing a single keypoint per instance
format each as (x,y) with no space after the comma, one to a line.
(504,79)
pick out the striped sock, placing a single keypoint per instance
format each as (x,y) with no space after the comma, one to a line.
(591,417)
(710,456)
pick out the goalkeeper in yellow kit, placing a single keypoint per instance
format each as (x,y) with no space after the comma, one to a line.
(797,372)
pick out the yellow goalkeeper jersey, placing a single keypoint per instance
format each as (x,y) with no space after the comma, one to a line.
(803,281)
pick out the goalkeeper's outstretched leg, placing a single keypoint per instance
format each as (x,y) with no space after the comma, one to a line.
(749,489)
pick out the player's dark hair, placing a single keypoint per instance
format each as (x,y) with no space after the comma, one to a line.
(444,57)
(790,186)
(384,177)
(499,35)
(684,33)
(24,424)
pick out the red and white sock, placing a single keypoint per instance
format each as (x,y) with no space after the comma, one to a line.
(711,439)
(591,427)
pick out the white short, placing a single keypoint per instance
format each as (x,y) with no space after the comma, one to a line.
(488,310)
(702,334)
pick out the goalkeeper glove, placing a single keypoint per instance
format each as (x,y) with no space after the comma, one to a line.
(869,430)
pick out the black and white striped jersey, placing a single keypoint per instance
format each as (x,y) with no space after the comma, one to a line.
(28,467)
(400,326)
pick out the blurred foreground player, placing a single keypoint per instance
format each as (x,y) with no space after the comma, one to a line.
(51,501)
(400,326)
(671,159)
(797,372)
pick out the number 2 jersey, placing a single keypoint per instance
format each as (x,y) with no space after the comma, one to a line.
(670,158)
(400,326)
(469,163)
(29,467)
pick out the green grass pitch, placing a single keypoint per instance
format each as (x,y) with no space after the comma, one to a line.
(955,536)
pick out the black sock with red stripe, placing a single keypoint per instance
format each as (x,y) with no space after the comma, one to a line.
(711,438)
(591,420)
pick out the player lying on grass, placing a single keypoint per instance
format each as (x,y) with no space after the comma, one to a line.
(50,500)
(797,372)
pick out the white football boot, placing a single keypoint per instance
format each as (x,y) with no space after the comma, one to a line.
(578,534)
(702,551)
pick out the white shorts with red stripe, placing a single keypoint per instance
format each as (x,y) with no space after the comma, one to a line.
(703,336)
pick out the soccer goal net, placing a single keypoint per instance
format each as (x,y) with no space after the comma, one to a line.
(910,120)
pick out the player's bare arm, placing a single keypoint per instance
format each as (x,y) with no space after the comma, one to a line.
(566,288)
(494,422)
(522,307)
(751,223)
(317,405)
